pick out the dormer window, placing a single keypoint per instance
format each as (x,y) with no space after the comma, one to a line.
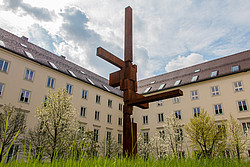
(106,88)
(177,82)
(23,45)
(198,70)
(194,78)
(82,72)
(235,68)
(2,43)
(147,90)
(152,82)
(29,55)
(91,81)
(161,86)
(53,65)
(72,73)
(214,73)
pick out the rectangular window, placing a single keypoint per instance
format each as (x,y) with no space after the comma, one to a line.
(29,55)
(1,89)
(215,90)
(145,119)
(83,112)
(196,111)
(25,96)
(242,105)
(97,115)
(145,137)
(246,126)
(178,114)
(162,134)
(72,73)
(2,43)
(69,88)
(179,133)
(160,117)
(109,103)
(235,68)
(51,82)
(4,65)
(120,107)
(98,99)
(96,135)
(218,109)
(194,78)
(176,100)
(84,94)
(177,82)
(29,74)
(147,90)
(159,103)
(119,138)
(108,136)
(214,73)
(194,95)
(120,121)
(81,129)
(109,118)
(161,86)
(238,86)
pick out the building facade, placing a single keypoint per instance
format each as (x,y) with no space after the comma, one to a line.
(221,87)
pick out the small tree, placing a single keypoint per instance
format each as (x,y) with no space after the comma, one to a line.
(236,139)
(58,121)
(16,123)
(110,147)
(173,135)
(144,146)
(204,134)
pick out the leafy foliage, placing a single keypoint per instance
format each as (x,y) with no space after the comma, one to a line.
(14,127)
(205,135)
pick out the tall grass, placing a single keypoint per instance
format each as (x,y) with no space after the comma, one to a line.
(128,162)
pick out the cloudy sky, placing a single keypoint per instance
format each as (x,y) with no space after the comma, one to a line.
(168,34)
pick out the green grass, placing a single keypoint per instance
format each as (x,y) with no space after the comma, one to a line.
(126,162)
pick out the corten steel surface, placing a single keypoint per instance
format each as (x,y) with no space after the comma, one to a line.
(126,79)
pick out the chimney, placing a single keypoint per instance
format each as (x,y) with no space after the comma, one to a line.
(63,57)
(24,38)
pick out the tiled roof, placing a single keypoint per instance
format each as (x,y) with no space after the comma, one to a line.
(189,75)
(203,71)
(23,47)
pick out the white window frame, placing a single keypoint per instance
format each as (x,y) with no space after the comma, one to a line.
(69,89)
(25,96)
(109,118)
(120,107)
(242,104)
(215,91)
(235,68)
(194,95)
(195,78)
(177,82)
(160,117)
(110,103)
(30,75)
(84,94)
(120,121)
(98,99)
(214,73)
(119,139)
(196,111)
(238,86)
(218,110)
(176,100)
(178,114)
(4,67)
(83,111)
(1,89)
(97,115)
(96,135)
(145,119)
(51,84)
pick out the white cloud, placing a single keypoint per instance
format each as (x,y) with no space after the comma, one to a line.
(182,61)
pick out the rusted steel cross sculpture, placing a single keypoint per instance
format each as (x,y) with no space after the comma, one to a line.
(126,79)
